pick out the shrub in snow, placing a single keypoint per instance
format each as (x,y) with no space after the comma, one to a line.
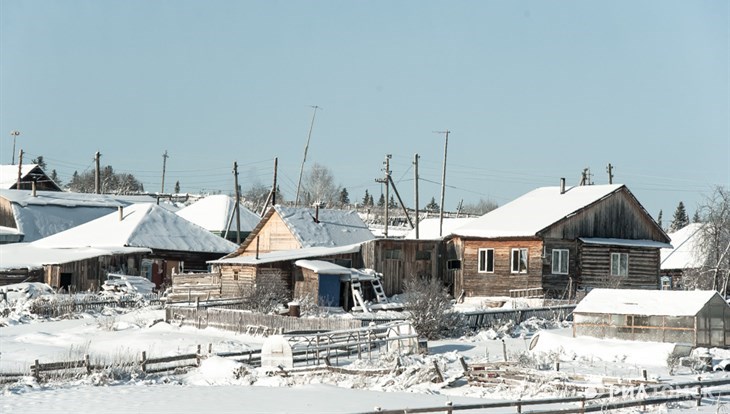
(430,310)
(266,296)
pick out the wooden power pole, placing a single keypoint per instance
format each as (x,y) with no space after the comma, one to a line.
(273,189)
(238,203)
(97,173)
(609,170)
(415,163)
(443,183)
(164,165)
(306,148)
(20,169)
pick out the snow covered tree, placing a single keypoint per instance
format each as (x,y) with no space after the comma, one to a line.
(319,186)
(381,200)
(429,307)
(344,197)
(56,179)
(392,203)
(696,217)
(714,244)
(432,205)
(480,208)
(177,187)
(112,182)
(366,198)
(659,219)
(680,218)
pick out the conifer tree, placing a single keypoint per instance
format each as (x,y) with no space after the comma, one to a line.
(680,218)
(177,187)
(366,198)
(381,200)
(696,218)
(432,205)
(344,197)
(659,220)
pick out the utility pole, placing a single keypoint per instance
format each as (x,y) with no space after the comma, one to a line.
(403,206)
(609,170)
(14,134)
(386,181)
(415,163)
(20,169)
(97,173)
(273,189)
(586,177)
(238,203)
(443,182)
(306,148)
(164,164)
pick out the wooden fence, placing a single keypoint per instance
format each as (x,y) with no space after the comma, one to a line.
(498,317)
(237,320)
(61,305)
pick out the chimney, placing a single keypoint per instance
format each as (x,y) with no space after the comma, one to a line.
(316,212)
(562,186)
(33,186)
(121,213)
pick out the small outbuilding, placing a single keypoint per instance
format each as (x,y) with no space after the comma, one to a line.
(697,318)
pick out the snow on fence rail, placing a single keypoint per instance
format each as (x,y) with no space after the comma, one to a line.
(63,306)
(613,400)
(237,320)
(492,318)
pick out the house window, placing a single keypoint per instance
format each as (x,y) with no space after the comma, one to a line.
(235,275)
(619,264)
(393,254)
(453,265)
(423,255)
(560,261)
(519,260)
(486,261)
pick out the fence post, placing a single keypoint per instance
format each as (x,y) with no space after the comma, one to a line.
(210,348)
(144,361)
(519,405)
(197,356)
(463,364)
(449,407)
(86,362)
(504,350)
(699,395)
(439,376)
(583,404)
(37,370)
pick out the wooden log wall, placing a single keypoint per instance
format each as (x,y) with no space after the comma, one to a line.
(7,218)
(236,278)
(595,267)
(415,258)
(557,285)
(502,280)
(308,285)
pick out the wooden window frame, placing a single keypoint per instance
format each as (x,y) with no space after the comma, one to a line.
(559,262)
(617,258)
(483,264)
(518,262)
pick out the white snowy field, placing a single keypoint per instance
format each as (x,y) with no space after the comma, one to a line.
(220,385)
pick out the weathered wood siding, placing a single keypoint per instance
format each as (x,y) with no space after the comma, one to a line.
(380,255)
(453,250)
(7,218)
(618,216)
(236,278)
(559,285)
(595,267)
(307,285)
(502,280)
(87,274)
(273,236)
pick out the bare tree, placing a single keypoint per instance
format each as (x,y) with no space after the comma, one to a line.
(714,242)
(429,306)
(480,208)
(265,296)
(319,186)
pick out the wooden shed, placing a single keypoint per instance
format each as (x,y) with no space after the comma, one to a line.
(401,259)
(696,318)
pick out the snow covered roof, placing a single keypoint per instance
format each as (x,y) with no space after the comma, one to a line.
(143,225)
(215,211)
(624,242)
(685,253)
(69,199)
(335,227)
(428,229)
(288,255)
(535,211)
(30,256)
(322,267)
(645,302)
(9,174)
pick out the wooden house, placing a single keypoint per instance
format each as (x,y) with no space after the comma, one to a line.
(173,242)
(287,234)
(401,259)
(695,318)
(30,175)
(683,258)
(555,240)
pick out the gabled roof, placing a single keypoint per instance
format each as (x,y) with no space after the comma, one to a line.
(428,229)
(527,215)
(50,212)
(215,211)
(334,228)
(645,302)
(685,253)
(28,172)
(288,255)
(29,256)
(143,225)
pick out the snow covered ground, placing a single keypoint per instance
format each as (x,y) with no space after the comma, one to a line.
(221,385)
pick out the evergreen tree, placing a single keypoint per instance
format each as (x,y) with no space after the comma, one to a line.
(54,176)
(696,218)
(659,219)
(344,197)
(680,218)
(392,203)
(371,202)
(177,187)
(366,198)
(432,205)
(381,200)
(39,160)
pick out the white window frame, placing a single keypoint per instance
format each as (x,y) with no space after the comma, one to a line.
(483,261)
(522,254)
(559,262)
(619,264)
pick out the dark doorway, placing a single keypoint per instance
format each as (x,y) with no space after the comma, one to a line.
(65,281)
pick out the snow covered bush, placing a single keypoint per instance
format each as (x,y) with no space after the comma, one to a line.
(430,310)
(266,296)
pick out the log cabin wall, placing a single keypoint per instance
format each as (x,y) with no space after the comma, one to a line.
(398,260)
(308,285)
(88,274)
(595,267)
(236,279)
(502,280)
(452,251)
(558,285)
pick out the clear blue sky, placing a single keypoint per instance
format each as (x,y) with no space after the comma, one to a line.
(531,90)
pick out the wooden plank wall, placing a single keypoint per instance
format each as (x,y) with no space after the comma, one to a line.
(308,285)
(273,236)
(502,280)
(595,267)
(7,218)
(556,285)
(235,279)
(397,271)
